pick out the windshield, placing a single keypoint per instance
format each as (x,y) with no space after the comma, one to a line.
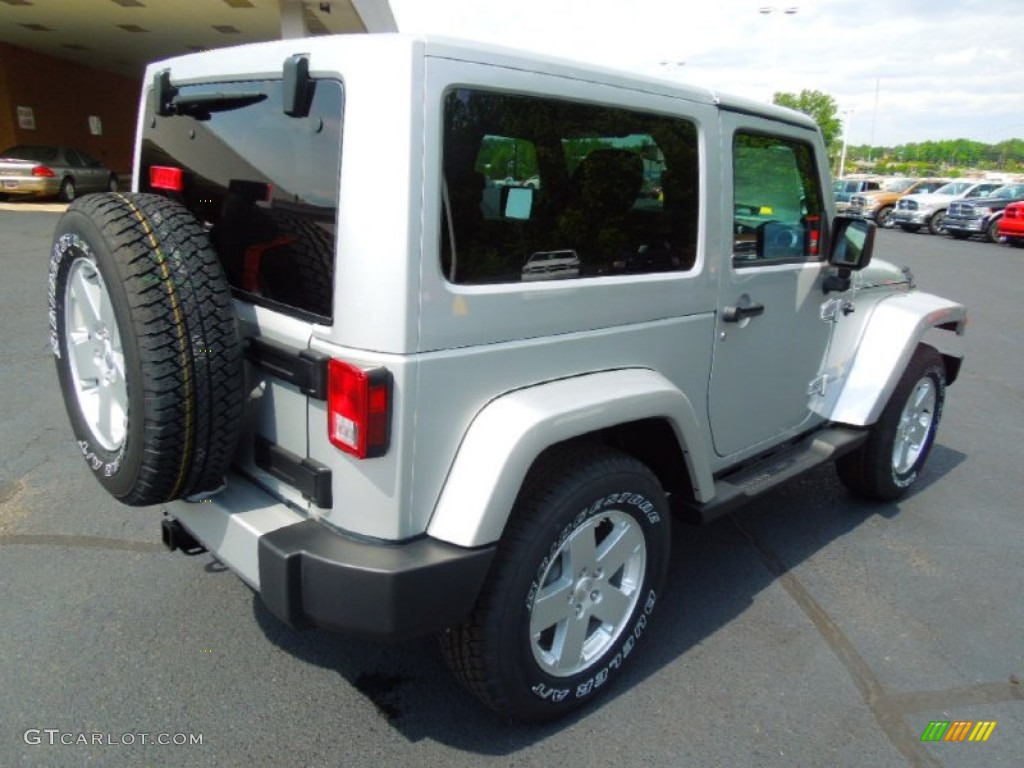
(1010,192)
(897,185)
(953,188)
(982,190)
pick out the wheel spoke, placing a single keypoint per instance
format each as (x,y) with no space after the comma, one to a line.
(86,295)
(103,417)
(614,606)
(118,359)
(551,606)
(581,553)
(901,453)
(84,351)
(568,647)
(106,316)
(619,546)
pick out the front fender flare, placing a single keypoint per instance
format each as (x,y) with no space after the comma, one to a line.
(508,434)
(897,325)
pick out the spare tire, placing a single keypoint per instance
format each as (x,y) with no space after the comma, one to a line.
(147,346)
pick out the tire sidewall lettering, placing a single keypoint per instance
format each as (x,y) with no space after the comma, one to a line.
(65,245)
(67,249)
(593,683)
(647,516)
(641,502)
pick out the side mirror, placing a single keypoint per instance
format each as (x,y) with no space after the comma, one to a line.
(517,202)
(853,241)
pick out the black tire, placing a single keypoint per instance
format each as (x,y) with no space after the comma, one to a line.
(910,227)
(154,296)
(874,470)
(579,494)
(992,231)
(67,190)
(936,224)
(882,217)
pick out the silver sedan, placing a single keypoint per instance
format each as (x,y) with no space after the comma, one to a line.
(41,171)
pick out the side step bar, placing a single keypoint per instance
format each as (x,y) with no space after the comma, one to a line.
(739,487)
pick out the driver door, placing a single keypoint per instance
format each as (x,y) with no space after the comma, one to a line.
(771,340)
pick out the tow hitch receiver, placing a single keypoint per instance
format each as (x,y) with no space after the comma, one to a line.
(175,537)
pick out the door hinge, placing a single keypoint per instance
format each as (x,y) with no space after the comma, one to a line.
(832,308)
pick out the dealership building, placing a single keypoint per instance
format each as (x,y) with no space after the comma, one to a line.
(71,71)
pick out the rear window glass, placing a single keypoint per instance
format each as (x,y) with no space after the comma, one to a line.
(33,154)
(539,189)
(265,186)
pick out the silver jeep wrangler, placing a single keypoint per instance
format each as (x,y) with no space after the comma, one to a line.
(420,336)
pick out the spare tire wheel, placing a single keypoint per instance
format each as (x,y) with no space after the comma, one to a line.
(147,346)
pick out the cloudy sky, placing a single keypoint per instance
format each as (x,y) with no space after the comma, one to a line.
(942,69)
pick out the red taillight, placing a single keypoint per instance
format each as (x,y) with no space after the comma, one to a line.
(42,170)
(164,177)
(358,409)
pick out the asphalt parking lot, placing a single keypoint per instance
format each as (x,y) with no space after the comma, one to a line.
(808,629)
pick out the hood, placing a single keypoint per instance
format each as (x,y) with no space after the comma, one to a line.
(881,273)
(930,197)
(993,202)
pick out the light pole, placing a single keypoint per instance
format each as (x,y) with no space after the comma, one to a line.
(846,132)
(768,10)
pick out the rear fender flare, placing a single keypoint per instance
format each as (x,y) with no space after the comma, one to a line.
(510,432)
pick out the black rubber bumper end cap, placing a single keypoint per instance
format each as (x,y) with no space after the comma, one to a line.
(311,576)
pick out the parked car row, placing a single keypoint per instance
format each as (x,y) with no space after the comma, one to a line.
(30,171)
(958,208)
(878,204)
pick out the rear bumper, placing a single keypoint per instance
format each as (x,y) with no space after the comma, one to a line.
(29,186)
(1011,227)
(309,575)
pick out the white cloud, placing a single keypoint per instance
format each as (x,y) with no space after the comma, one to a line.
(943,69)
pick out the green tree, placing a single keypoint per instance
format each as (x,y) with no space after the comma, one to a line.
(820,106)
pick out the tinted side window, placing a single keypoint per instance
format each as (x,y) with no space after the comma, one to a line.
(543,189)
(264,184)
(73,159)
(777,200)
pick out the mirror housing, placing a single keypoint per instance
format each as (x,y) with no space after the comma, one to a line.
(517,202)
(852,243)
